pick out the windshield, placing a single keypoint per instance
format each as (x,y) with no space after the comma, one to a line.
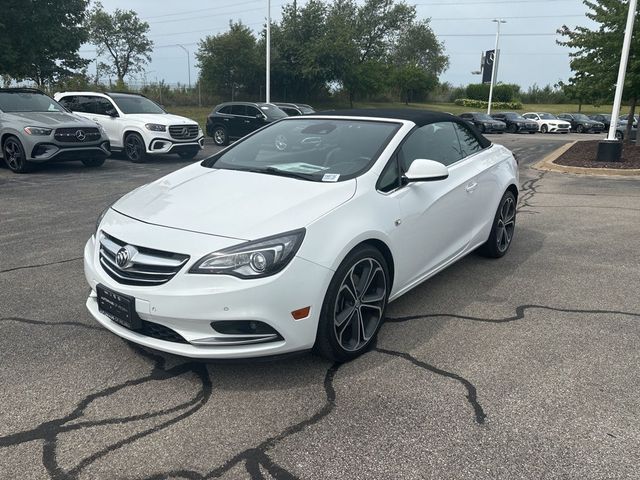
(272,111)
(580,116)
(135,104)
(321,150)
(28,102)
(547,116)
(514,116)
(482,116)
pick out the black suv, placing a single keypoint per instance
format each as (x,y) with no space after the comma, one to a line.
(581,123)
(233,120)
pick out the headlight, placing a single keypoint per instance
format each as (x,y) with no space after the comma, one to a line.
(259,258)
(156,127)
(37,131)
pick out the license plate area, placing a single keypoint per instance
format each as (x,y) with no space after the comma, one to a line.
(118,307)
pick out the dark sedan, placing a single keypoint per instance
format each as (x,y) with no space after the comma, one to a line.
(621,131)
(295,109)
(581,123)
(484,122)
(603,118)
(516,123)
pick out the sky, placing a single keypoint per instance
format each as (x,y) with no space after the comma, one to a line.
(529,53)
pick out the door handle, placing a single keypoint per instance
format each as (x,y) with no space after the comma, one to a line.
(471,187)
(246,121)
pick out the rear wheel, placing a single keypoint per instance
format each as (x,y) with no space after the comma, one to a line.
(544,129)
(93,162)
(354,305)
(619,135)
(134,148)
(14,156)
(220,137)
(504,224)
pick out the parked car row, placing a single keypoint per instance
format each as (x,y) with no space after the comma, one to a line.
(88,126)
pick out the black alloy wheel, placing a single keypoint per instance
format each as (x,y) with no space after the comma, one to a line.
(354,306)
(580,129)
(503,229)
(93,162)
(513,128)
(220,136)
(134,148)
(14,156)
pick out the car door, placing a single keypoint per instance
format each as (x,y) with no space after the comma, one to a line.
(254,119)
(239,123)
(105,113)
(435,217)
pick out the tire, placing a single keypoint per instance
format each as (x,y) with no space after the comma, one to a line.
(14,156)
(580,129)
(336,338)
(189,154)
(503,228)
(134,148)
(93,162)
(544,129)
(513,128)
(220,136)
(619,136)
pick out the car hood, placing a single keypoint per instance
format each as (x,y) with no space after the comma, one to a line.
(231,203)
(47,119)
(164,119)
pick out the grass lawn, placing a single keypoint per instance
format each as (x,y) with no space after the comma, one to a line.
(199,114)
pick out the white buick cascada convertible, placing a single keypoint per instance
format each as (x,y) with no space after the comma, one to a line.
(297,236)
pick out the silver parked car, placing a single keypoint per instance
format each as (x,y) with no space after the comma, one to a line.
(34,128)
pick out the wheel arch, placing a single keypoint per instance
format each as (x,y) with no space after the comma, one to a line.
(513,189)
(129,130)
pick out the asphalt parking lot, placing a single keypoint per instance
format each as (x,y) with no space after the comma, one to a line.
(524,367)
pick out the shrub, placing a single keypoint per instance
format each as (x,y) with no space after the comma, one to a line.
(471,103)
(502,92)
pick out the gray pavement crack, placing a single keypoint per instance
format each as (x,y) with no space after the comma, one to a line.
(31,321)
(25,267)
(529,190)
(472,394)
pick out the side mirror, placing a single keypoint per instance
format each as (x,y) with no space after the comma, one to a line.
(422,170)
(111,112)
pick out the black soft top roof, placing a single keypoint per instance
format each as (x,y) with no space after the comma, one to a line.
(419,117)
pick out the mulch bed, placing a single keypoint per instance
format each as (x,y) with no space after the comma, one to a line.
(583,154)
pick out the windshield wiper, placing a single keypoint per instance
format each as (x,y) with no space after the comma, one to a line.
(285,173)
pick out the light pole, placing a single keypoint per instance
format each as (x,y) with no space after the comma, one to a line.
(268,89)
(188,63)
(610,149)
(494,68)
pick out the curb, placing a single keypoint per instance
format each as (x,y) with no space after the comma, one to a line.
(547,164)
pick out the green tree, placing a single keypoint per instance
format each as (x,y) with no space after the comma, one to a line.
(40,39)
(122,36)
(595,58)
(228,62)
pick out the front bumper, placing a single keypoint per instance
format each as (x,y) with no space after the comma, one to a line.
(52,151)
(188,303)
(166,145)
(559,129)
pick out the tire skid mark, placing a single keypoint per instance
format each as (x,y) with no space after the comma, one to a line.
(472,394)
(257,457)
(59,262)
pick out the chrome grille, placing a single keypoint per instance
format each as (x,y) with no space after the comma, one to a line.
(183,132)
(77,135)
(146,266)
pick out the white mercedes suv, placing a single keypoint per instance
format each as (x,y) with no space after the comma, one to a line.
(136,125)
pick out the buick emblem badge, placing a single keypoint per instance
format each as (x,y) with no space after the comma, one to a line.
(80,135)
(125,255)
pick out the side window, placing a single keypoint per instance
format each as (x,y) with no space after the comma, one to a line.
(70,102)
(390,177)
(437,141)
(252,111)
(238,110)
(468,142)
(465,116)
(292,112)
(225,110)
(102,105)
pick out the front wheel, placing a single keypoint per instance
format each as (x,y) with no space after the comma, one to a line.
(504,225)
(14,156)
(580,129)
(544,129)
(134,148)
(513,128)
(354,305)
(619,136)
